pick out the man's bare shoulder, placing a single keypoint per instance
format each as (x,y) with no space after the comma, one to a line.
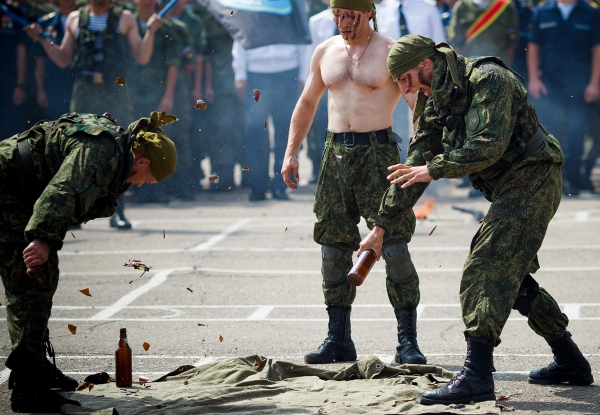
(72,20)
(127,21)
(383,40)
(324,46)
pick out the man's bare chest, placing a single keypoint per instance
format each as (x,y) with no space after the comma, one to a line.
(340,71)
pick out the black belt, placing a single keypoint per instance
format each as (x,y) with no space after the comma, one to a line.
(93,77)
(351,138)
(536,140)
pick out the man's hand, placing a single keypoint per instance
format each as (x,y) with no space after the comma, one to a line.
(290,166)
(36,253)
(154,23)
(591,93)
(409,174)
(42,98)
(195,95)
(209,93)
(536,87)
(166,105)
(34,31)
(373,241)
(19,95)
(240,89)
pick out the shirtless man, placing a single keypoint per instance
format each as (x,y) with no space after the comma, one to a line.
(358,149)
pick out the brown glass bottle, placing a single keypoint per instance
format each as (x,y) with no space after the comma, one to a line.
(123,361)
(361,268)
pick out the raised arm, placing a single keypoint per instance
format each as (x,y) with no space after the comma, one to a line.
(141,49)
(61,54)
(302,118)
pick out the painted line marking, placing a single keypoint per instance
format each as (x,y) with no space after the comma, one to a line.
(129,298)
(259,272)
(4,375)
(261,313)
(246,320)
(213,240)
(206,247)
(572,311)
(582,216)
(206,360)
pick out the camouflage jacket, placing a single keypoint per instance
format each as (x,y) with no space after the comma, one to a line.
(115,49)
(497,115)
(496,40)
(150,80)
(82,163)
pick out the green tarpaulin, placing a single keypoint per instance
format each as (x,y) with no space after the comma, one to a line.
(261,386)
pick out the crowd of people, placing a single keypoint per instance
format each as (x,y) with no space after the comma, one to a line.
(168,64)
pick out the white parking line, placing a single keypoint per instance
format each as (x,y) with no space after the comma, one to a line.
(213,240)
(207,247)
(129,298)
(261,313)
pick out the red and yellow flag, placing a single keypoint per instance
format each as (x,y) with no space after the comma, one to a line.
(484,21)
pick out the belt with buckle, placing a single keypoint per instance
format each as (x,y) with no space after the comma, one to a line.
(351,138)
(93,77)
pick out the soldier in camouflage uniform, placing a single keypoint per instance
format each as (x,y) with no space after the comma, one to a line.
(224,117)
(153,86)
(353,176)
(499,39)
(98,43)
(53,177)
(477,122)
(187,29)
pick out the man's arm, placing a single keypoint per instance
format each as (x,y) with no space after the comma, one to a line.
(83,175)
(40,72)
(19,91)
(239,65)
(166,103)
(398,202)
(535,86)
(141,49)
(302,118)
(61,54)
(592,90)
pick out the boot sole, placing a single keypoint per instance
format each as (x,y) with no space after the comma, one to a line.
(582,381)
(480,398)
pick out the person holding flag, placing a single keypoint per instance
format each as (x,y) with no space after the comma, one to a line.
(484,28)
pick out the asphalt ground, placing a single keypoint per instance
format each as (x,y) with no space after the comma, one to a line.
(249,272)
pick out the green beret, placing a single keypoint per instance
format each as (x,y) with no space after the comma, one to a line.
(410,50)
(358,5)
(153,144)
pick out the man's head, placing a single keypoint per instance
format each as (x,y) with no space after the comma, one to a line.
(155,153)
(351,17)
(411,60)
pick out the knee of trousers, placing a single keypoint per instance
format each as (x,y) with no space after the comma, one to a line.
(398,265)
(532,289)
(335,265)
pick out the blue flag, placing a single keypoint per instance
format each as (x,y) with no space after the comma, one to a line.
(256,23)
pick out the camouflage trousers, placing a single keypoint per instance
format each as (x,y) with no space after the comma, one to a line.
(100,98)
(28,305)
(351,184)
(504,251)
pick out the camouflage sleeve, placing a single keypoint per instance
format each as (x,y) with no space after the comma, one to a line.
(456,33)
(84,174)
(512,30)
(198,34)
(489,124)
(170,46)
(397,202)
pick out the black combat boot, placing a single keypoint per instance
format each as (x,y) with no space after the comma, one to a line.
(31,397)
(474,383)
(569,365)
(118,220)
(407,350)
(52,377)
(338,346)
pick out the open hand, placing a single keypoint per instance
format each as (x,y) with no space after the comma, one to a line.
(408,174)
